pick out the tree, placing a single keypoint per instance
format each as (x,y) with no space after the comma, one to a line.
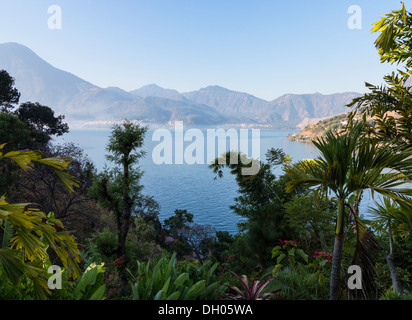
(311,217)
(387,110)
(148,209)
(8,93)
(198,236)
(28,233)
(221,245)
(42,122)
(76,209)
(395,40)
(16,134)
(118,189)
(347,166)
(261,201)
(173,227)
(390,218)
(188,237)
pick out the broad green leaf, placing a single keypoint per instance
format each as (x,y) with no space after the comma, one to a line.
(23,158)
(180,280)
(276,269)
(303,255)
(159,295)
(280,258)
(174,296)
(196,290)
(99,293)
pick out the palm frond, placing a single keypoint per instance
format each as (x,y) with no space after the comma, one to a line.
(365,256)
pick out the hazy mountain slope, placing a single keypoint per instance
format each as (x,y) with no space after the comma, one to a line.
(295,108)
(80,100)
(285,111)
(37,80)
(153,90)
(77,99)
(227,102)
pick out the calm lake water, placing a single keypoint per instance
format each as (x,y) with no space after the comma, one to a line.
(192,187)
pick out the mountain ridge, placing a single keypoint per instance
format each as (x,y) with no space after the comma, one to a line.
(80,100)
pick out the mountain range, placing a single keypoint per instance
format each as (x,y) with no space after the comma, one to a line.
(80,100)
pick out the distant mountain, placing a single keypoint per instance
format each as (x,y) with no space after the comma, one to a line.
(294,108)
(287,110)
(37,80)
(153,90)
(77,99)
(242,106)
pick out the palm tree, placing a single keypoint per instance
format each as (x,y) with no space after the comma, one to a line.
(390,218)
(28,232)
(347,166)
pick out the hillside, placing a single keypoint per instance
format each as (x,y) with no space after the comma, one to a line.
(318,129)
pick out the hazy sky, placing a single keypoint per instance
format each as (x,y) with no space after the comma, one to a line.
(263,47)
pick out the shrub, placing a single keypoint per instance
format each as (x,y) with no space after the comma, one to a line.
(166,279)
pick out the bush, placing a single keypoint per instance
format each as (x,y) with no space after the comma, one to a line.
(106,244)
(166,279)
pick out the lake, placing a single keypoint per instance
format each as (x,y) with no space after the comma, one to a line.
(192,187)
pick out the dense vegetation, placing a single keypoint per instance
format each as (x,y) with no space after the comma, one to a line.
(319,129)
(301,233)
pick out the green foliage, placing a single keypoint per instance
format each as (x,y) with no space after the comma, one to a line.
(300,279)
(118,189)
(287,251)
(390,106)
(311,217)
(91,253)
(402,253)
(177,222)
(261,202)
(106,244)
(302,283)
(167,279)
(347,166)
(16,134)
(34,232)
(90,285)
(394,41)
(41,122)
(384,281)
(173,227)
(221,245)
(8,93)
(390,294)
(389,215)
(124,141)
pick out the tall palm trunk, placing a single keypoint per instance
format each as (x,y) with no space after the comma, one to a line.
(337,252)
(396,282)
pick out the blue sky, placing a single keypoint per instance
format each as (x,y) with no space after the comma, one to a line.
(264,47)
